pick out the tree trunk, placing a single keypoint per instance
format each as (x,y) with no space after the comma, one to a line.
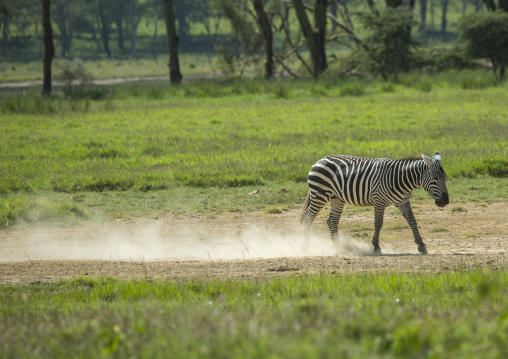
(155,48)
(444,22)
(175,77)
(266,30)
(62,28)
(134,28)
(423,15)
(503,4)
(49,49)
(5,29)
(491,6)
(320,22)
(315,39)
(119,29)
(104,29)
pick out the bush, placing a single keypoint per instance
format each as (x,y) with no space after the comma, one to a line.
(390,42)
(475,79)
(486,36)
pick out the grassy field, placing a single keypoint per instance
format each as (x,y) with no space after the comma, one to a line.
(95,154)
(384,315)
(217,141)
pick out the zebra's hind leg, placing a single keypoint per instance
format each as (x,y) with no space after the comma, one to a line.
(337,206)
(379,212)
(407,212)
(315,204)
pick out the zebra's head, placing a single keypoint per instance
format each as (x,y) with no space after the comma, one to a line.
(434,180)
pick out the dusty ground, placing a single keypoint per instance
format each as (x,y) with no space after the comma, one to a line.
(255,244)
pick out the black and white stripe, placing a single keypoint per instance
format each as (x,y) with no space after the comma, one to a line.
(378,182)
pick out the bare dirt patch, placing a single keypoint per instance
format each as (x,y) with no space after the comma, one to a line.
(254,244)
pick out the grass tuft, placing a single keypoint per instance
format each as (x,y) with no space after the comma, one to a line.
(438,230)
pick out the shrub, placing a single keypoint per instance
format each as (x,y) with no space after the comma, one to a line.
(390,42)
(486,36)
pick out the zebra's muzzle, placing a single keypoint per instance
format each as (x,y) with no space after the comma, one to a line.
(443,201)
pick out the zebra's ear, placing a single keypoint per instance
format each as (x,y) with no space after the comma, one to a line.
(436,158)
(427,160)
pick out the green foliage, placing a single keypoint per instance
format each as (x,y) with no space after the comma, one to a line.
(354,88)
(468,79)
(486,36)
(390,41)
(375,315)
(455,58)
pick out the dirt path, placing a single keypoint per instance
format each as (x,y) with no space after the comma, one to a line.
(254,244)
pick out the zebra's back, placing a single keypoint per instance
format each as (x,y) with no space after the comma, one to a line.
(348,178)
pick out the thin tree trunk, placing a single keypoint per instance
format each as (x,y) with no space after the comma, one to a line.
(49,48)
(266,29)
(119,29)
(104,30)
(155,49)
(444,21)
(491,6)
(134,28)
(423,15)
(175,77)
(62,27)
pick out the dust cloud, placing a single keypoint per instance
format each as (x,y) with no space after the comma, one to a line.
(153,242)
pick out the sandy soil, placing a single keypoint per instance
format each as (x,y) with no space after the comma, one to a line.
(255,244)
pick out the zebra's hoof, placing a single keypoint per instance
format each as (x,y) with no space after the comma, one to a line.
(377,251)
(422,249)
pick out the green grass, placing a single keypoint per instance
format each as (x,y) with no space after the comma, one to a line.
(129,140)
(438,230)
(386,315)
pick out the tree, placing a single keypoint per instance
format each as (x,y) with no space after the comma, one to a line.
(104,25)
(136,12)
(62,21)
(389,41)
(5,17)
(266,30)
(175,77)
(315,37)
(423,15)
(49,49)
(486,36)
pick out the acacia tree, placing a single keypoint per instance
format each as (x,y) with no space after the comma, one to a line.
(486,36)
(175,77)
(315,37)
(49,48)
(266,30)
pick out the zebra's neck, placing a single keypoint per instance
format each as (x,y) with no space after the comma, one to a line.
(412,172)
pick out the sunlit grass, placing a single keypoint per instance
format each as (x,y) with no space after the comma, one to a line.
(355,315)
(143,139)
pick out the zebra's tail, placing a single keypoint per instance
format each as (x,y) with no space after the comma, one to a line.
(305,206)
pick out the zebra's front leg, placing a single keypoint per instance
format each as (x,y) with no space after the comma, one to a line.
(379,212)
(336,208)
(407,213)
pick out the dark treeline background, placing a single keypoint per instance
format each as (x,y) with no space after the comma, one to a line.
(100,29)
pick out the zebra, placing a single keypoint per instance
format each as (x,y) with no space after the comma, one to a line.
(378,182)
